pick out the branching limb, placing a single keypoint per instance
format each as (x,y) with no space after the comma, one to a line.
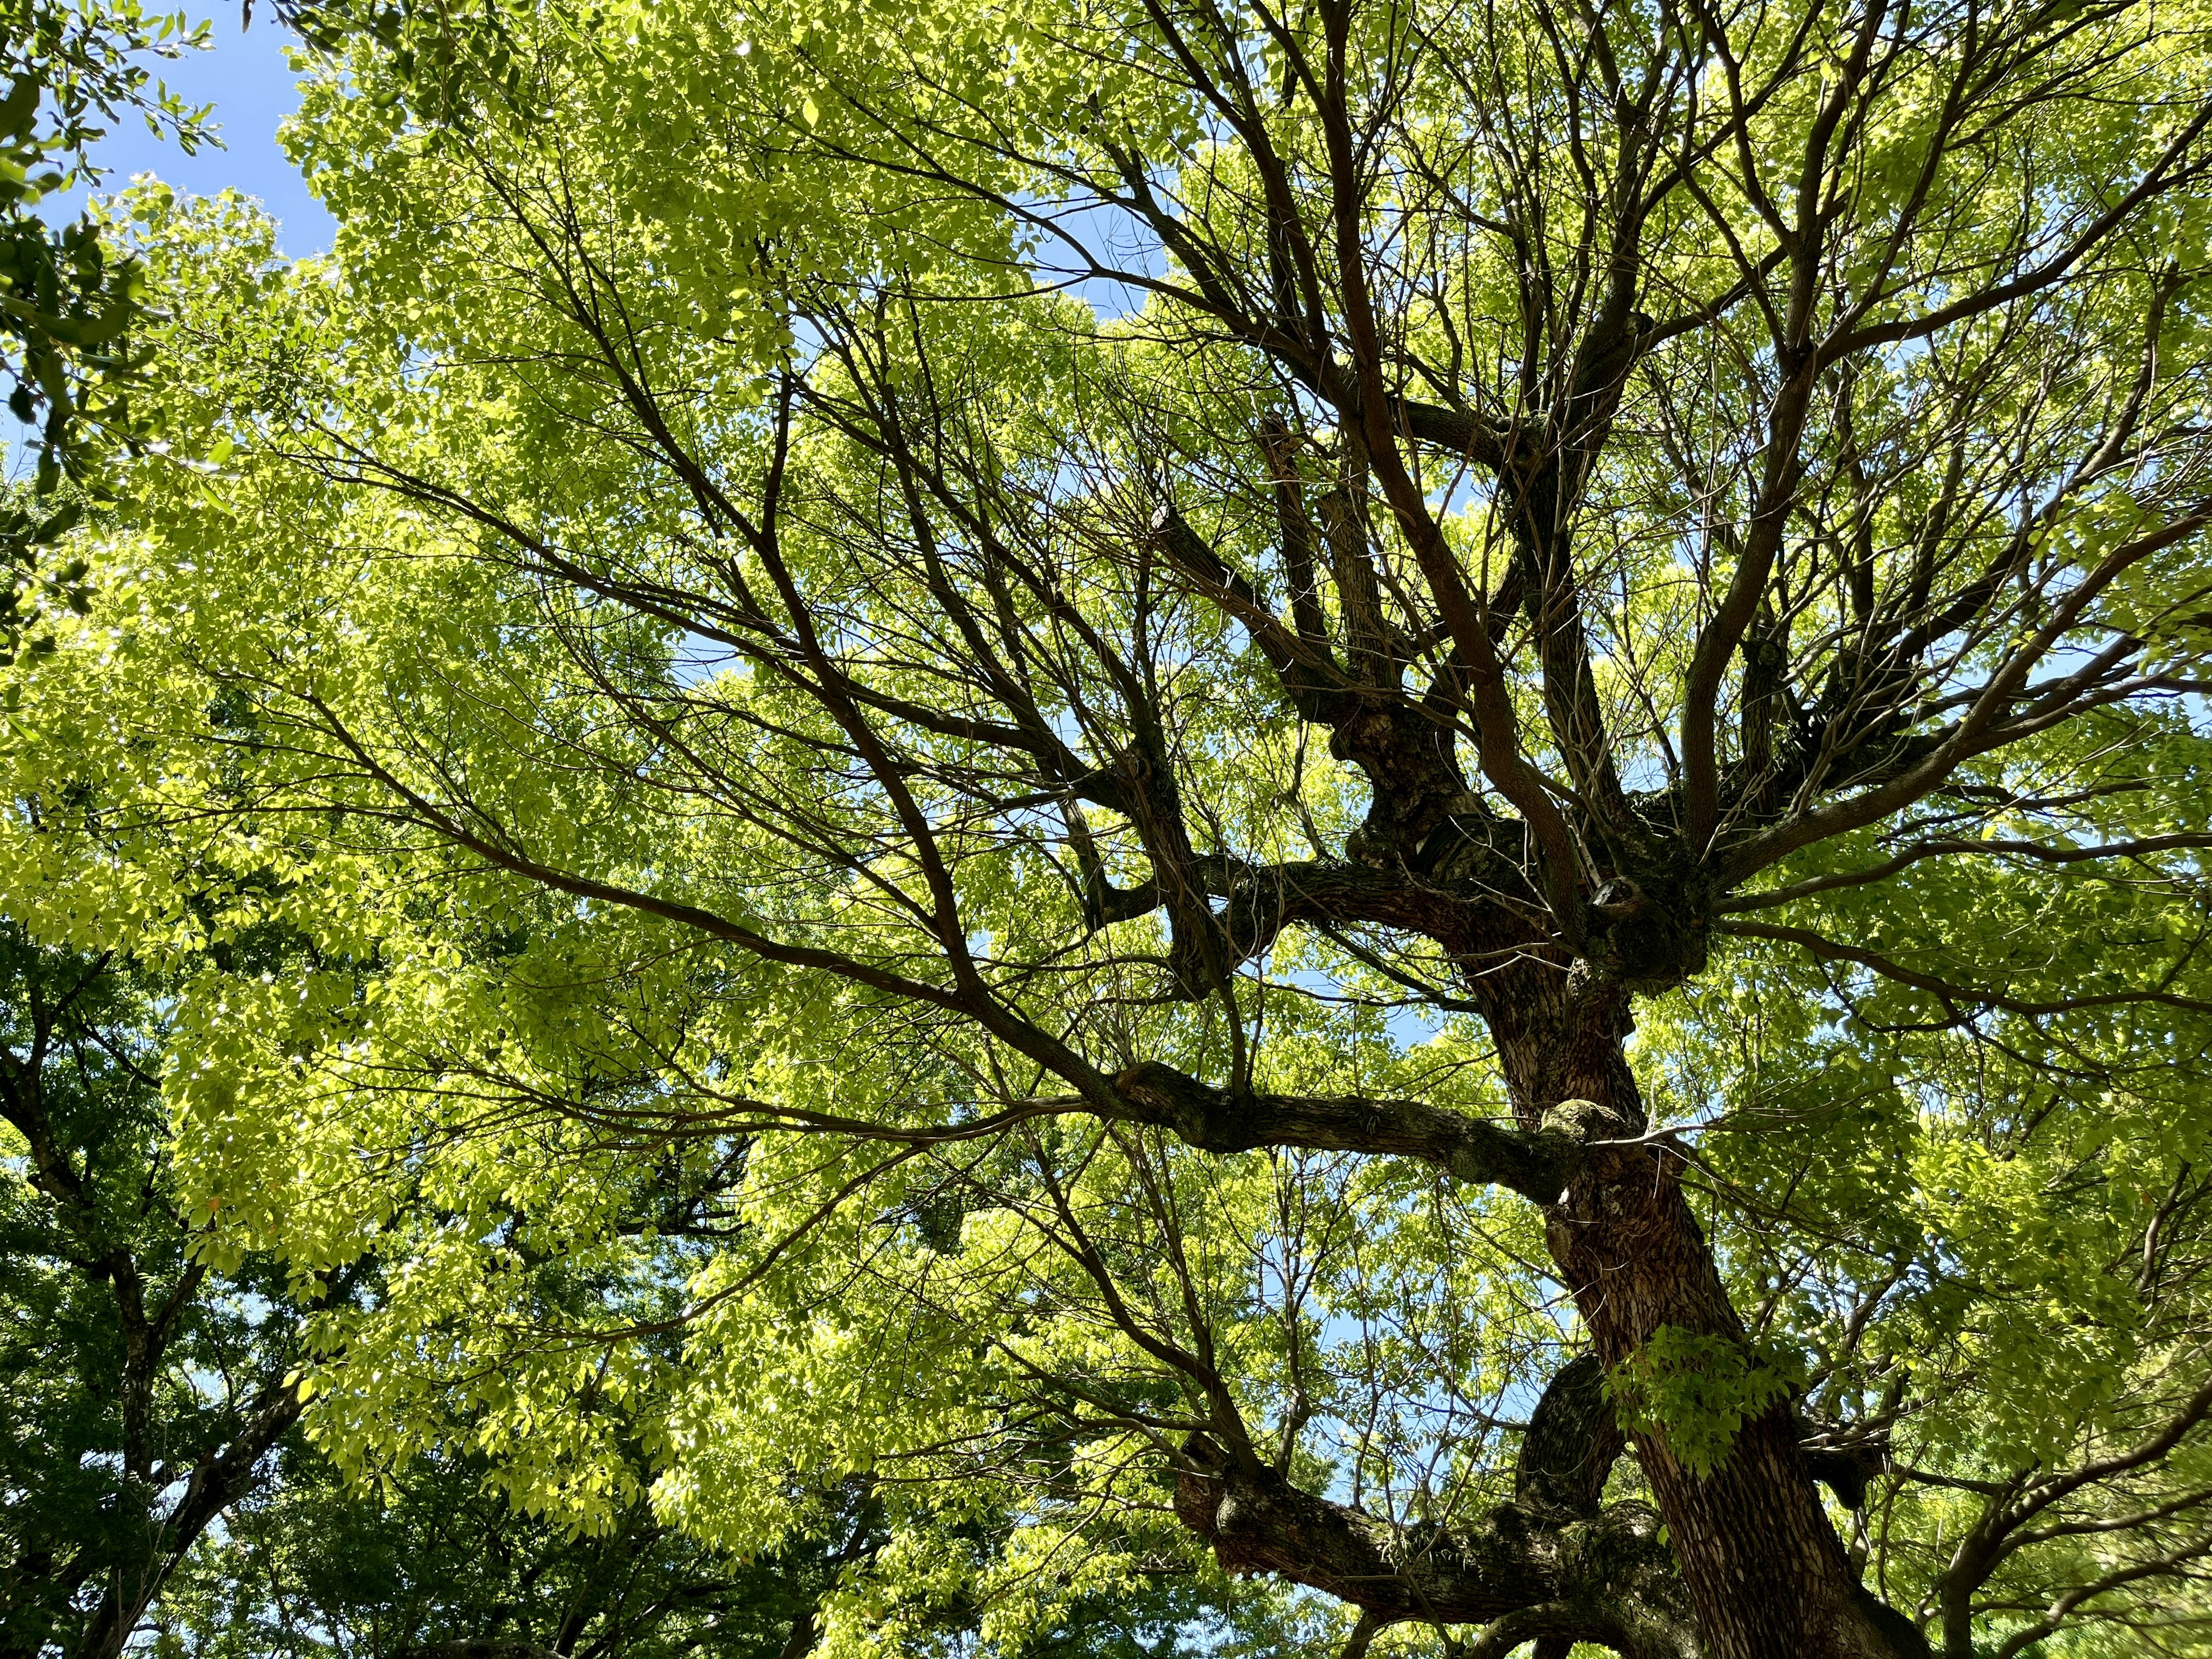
(1536,1166)
(1952,995)
(1607,1579)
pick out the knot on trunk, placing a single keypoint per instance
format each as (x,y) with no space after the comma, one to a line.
(1649,933)
(1574,1133)
(1201,1494)
(1602,1142)
(1257,1521)
(1576,1123)
(1201,1114)
(1843,1458)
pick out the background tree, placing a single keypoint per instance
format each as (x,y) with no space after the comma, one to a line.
(439,1566)
(161,1486)
(142,1393)
(1588,506)
(435,1562)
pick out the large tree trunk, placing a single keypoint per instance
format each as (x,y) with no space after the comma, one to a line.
(1767,1573)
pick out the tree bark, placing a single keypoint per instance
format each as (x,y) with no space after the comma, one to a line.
(214,1483)
(1765,1570)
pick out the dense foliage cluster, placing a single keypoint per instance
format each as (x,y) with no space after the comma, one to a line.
(70,298)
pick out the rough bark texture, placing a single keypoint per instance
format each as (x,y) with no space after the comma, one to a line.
(1763,1565)
(1759,1559)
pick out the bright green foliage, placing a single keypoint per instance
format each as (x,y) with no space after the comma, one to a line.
(146,1396)
(1986,1234)
(434,1563)
(1700,1389)
(437,1563)
(70,301)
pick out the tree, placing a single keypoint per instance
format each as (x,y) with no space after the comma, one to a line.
(1693,516)
(142,1393)
(70,301)
(440,1565)
(156,1474)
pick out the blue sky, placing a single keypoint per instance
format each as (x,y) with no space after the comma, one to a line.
(246,77)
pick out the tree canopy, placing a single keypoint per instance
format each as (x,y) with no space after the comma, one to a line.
(159,1493)
(1407,797)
